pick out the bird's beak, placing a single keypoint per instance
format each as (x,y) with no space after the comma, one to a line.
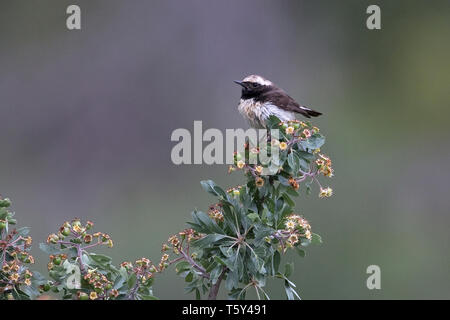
(239,83)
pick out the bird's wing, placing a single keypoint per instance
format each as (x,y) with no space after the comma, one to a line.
(285,102)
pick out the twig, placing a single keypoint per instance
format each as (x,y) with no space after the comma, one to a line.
(215,288)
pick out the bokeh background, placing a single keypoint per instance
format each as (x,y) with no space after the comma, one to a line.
(86,118)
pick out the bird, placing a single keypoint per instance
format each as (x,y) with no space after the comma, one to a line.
(261,99)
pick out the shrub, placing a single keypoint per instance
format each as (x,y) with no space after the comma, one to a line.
(237,242)
(240,239)
(17,282)
(81,274)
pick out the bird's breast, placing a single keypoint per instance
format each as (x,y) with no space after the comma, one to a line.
(257,113)
(250,110)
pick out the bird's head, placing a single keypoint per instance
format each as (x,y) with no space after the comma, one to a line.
(254,85)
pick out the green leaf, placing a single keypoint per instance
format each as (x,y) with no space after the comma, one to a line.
(207,224)
(232,280)
(290,291)
(313,142)
(316,239)
(189,277)
(300,252)
(120,280)
(131,281)
(23,231)
(220,261)
(272,123)
(305,155)
(182,266)
(294,163)
(254,217)
(276,261)
(288,200)
(288,269)
(100,259)
(211,187)
(49,249)
(207,240)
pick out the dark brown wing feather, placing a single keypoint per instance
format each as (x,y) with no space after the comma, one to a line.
(282,100)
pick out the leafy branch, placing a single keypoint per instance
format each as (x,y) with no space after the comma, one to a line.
(240,240)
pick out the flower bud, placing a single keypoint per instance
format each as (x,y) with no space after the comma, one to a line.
(65,232)
(5,203)
(82,296)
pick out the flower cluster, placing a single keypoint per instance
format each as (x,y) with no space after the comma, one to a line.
(69,250)
(234,191)
(324,165)
(300,144)
(79,234)
(215,212)
(101,287)
(180,245)
(295,228)
(176,242)
(300,129)
(56,260)
(14,255)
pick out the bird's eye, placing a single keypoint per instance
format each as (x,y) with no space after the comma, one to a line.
(255,85)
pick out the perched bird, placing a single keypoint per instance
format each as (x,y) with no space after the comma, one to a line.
(261,98)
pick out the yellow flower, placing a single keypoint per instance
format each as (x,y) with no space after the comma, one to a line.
(53,238)
(240,164)
(290,224)
(174,240)
(259,182)
(14,277)
(293,238)
(283,145)
(308,234)
(259,169)
(93,295)
(325,192)
(28,241)
(290,130)
(78,229)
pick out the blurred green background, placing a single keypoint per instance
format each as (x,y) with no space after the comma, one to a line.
(86,118)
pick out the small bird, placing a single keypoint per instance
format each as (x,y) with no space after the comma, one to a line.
(261,98)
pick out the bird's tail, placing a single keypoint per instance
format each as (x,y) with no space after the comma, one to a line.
(307,112)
